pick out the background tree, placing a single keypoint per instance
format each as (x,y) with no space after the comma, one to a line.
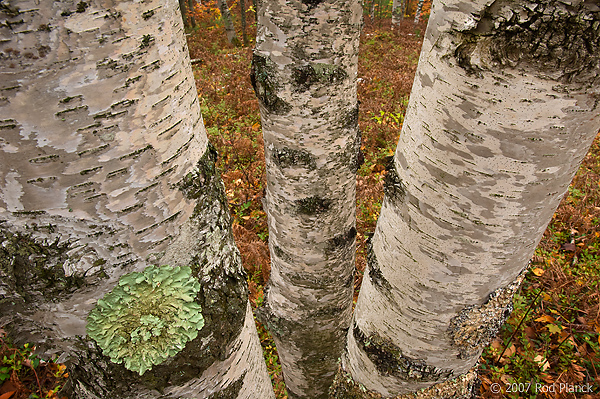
(304,75)
(228,22)
(106,169)
(398,11)
(418,11)
(503,108)
(187,13)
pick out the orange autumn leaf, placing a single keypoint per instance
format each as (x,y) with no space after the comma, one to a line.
(546,319)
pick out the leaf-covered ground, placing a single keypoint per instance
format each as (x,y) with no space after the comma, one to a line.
(551,338)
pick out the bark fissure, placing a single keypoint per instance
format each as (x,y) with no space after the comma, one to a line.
(554,38)
(389,359)
(472,329)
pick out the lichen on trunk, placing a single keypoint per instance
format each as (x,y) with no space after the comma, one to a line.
(101,190)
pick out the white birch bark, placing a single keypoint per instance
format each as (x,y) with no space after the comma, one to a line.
(398,11)
(503,109)
(418,11)
(104,168)
(304,74)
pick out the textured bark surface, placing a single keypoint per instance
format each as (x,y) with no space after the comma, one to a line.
(304,74)
(503,108)
(105,169)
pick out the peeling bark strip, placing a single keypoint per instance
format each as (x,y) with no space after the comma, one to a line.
(304,74)
(503,109)
(111,174)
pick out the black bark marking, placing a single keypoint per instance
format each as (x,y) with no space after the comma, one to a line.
(377,278)
(393,187)
(389,360)
(289,157)
(35,269)
(464,386)
(81,7)
(342,240)
(306,76)
(313,205)
(265,87)
(231,391)
(312,3)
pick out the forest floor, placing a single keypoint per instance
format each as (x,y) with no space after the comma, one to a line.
(551,337)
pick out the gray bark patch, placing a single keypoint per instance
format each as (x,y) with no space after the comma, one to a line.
(475,326)
(557,38)
(265,85)
(389,360)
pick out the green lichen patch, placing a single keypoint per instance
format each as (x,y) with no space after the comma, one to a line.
(389,359)
(148,317)
(263,78)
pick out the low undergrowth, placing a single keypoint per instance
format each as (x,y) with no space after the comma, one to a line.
(23,375)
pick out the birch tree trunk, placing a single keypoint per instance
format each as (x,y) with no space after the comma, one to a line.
(304,74)
(105,169)
(418,11)
(228,22)
(503,109)
(398,11)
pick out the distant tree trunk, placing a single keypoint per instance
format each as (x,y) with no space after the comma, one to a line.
(105,169)
(304,74)
(191,7)
(184,14)
(418,11)
(243,12)
(372,11)
(228,22)
(398,11)
(496,128)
